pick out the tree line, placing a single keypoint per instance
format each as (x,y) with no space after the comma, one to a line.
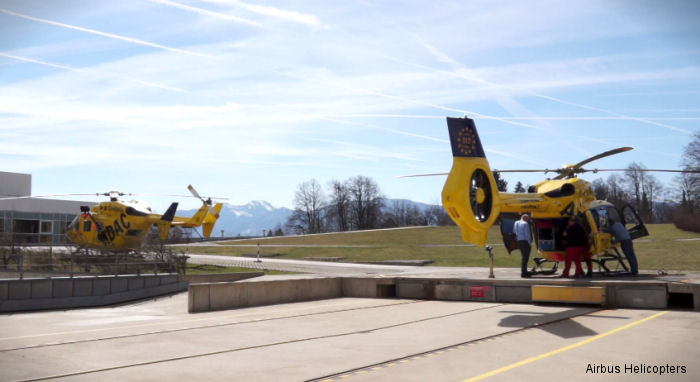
(355,204)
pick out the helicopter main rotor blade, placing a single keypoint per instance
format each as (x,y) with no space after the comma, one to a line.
(495,170)
(192,196)
(544,171)
(196,195)
(640,169)
(418,175)
(45,196)
(576,169)
(602,155)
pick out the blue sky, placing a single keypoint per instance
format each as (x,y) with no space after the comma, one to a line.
(247,99)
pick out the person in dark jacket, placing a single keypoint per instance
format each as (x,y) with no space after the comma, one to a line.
(576,247)
(620,234)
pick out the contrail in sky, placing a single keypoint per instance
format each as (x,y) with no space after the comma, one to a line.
(89,71)
(265,10)
(549,98)
(207,12)
(404,99)
(105,34)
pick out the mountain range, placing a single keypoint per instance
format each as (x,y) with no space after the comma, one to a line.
(252,218)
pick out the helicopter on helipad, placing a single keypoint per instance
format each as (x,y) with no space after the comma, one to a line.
(117,225)
(473,202)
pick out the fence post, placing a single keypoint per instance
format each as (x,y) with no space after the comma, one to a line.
(21,265)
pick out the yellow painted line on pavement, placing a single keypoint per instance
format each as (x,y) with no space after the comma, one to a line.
(561,350)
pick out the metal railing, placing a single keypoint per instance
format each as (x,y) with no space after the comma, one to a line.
(18,263)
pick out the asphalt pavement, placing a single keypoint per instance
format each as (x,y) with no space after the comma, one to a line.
(349,339)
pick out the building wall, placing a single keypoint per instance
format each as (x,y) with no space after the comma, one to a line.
(33,220)
(15,184)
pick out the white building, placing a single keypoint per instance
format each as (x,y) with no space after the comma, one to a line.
(33,220)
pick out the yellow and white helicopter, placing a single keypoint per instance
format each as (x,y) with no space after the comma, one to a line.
(117,225)
(472,200)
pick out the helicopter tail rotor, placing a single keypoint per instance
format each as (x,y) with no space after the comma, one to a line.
(473,208)
(206,202)
(210,220)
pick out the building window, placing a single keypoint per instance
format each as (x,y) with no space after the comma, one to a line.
(46,227)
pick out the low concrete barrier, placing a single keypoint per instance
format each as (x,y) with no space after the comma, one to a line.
(233,295)
(83,291)
(219,277)
(611,293)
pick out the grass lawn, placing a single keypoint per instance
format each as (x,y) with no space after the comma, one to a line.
(660,250)
(206,269)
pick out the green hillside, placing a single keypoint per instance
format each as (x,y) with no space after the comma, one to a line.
(443,245)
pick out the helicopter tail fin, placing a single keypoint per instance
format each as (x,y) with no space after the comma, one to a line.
(470,195)
(165,221)
(210,220)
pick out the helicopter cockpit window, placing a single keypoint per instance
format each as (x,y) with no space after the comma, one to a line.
(565,190)
(134,212)
(600,217)
(87,225)
(603,215)
(74,224)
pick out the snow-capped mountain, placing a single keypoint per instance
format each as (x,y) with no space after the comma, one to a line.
(248,219)
(253,217)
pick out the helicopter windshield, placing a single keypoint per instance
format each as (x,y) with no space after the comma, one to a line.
(602,216)
(73,224)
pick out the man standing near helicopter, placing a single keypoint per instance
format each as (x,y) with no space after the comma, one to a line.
(522,233)
(621,235)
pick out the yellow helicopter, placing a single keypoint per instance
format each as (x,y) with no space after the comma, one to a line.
(473,202)
(118,225)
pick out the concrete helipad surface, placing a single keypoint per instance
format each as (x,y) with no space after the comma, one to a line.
(350,339)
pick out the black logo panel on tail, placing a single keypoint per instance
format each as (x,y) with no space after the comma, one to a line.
(464,138)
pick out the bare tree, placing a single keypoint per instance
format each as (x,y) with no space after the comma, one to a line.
(365,202)
(691,182)
(307,216)
(652,191)
(600,189)
(685,185)
(339,206)
(616,194)
(635,182)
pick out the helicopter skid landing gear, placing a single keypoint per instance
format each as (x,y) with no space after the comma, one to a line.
(615,257)
(538,270)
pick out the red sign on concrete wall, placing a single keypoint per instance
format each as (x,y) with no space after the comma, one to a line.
(478,291)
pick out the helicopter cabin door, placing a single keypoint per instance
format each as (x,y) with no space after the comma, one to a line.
(633,223)
(508,233)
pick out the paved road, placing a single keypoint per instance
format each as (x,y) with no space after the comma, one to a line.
(357,269)
(345,339)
